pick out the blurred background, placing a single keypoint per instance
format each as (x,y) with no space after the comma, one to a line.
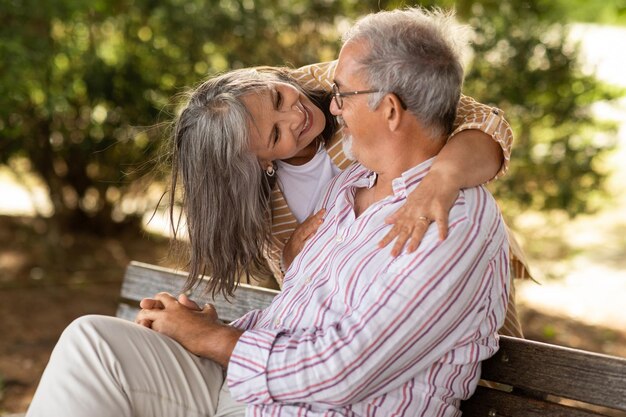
(88,89)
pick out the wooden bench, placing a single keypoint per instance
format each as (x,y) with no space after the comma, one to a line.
(532,378)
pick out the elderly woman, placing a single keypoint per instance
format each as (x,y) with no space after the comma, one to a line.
(254,149)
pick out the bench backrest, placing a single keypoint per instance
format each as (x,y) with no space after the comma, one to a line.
(532,378)
(144,280)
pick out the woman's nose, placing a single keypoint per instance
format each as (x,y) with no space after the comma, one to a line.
(293,115)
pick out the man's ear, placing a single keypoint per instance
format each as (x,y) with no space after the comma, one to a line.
(393,111)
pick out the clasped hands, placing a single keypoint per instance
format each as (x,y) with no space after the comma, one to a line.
(198,330)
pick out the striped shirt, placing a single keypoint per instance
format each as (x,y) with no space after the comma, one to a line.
(470,115)
(356,332)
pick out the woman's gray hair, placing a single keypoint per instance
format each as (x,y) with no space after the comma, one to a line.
(225,196)
(225,192)
(416,54)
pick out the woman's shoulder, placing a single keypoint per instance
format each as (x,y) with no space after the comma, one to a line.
(315,76)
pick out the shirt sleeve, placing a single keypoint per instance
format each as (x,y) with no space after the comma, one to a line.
(316,76)
(474,115)
(412,314)
(247,321)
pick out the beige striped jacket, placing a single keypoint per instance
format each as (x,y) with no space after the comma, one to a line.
(470,115)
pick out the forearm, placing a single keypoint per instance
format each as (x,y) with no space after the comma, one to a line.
(218,345)
(469,158)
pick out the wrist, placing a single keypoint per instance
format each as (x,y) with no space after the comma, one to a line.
(446,174)
(220,343)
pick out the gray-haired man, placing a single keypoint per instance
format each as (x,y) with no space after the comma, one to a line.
(355,331)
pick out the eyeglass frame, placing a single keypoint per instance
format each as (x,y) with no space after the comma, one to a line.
(338,95)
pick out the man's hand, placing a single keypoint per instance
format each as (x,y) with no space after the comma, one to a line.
(151,303)
(298,238)
(198,330)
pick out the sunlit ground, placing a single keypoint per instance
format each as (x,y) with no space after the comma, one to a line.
(587,283)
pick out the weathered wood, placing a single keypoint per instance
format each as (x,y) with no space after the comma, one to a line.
(144,280)
(490,402)
(570,373)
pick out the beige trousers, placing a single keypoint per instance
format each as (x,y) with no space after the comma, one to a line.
(108,367)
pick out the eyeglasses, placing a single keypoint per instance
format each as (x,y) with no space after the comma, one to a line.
(338,96)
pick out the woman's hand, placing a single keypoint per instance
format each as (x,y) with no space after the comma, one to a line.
(469,158)
(430,202)
(298,238)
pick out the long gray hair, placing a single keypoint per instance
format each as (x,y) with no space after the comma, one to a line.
(416,54)
(225,192)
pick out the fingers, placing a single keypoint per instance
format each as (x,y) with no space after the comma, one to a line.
(187,302)
(144,323)
(442,225)
(150,303)
(391,235)
(403,236)
(166,299)
(417,236)
(146,317)
(310,225)
(298,238)
(407,230)
(210,310)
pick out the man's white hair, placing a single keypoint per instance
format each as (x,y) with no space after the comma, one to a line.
(416,54)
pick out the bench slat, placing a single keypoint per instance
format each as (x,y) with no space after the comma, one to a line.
(570,373)
(489,402)
(145,280)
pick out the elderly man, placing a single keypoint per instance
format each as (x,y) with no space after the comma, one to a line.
(355,331)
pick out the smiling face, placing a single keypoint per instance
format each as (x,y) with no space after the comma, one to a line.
(362,126)
(284,122)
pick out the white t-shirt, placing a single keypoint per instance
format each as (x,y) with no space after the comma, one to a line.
(304,185)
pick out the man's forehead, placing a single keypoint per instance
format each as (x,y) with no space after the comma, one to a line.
(348,70)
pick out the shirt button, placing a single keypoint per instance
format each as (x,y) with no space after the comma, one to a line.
(308,280)
(339,238)
(277,322)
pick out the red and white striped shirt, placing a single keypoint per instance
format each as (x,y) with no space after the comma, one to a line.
(356,332)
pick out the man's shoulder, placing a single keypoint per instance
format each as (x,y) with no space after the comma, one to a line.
(480,208)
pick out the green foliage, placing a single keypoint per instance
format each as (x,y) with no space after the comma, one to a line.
(526,65)
(84,84)
(81,80)
(611,12)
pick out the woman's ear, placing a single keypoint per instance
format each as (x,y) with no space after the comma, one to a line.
(264,163)
(267,166)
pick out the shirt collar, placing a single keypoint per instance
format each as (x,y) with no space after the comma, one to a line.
(410,178)
(402,185)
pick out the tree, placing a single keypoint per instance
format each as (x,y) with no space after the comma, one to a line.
(88,87)
(89,81)
(524,62)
